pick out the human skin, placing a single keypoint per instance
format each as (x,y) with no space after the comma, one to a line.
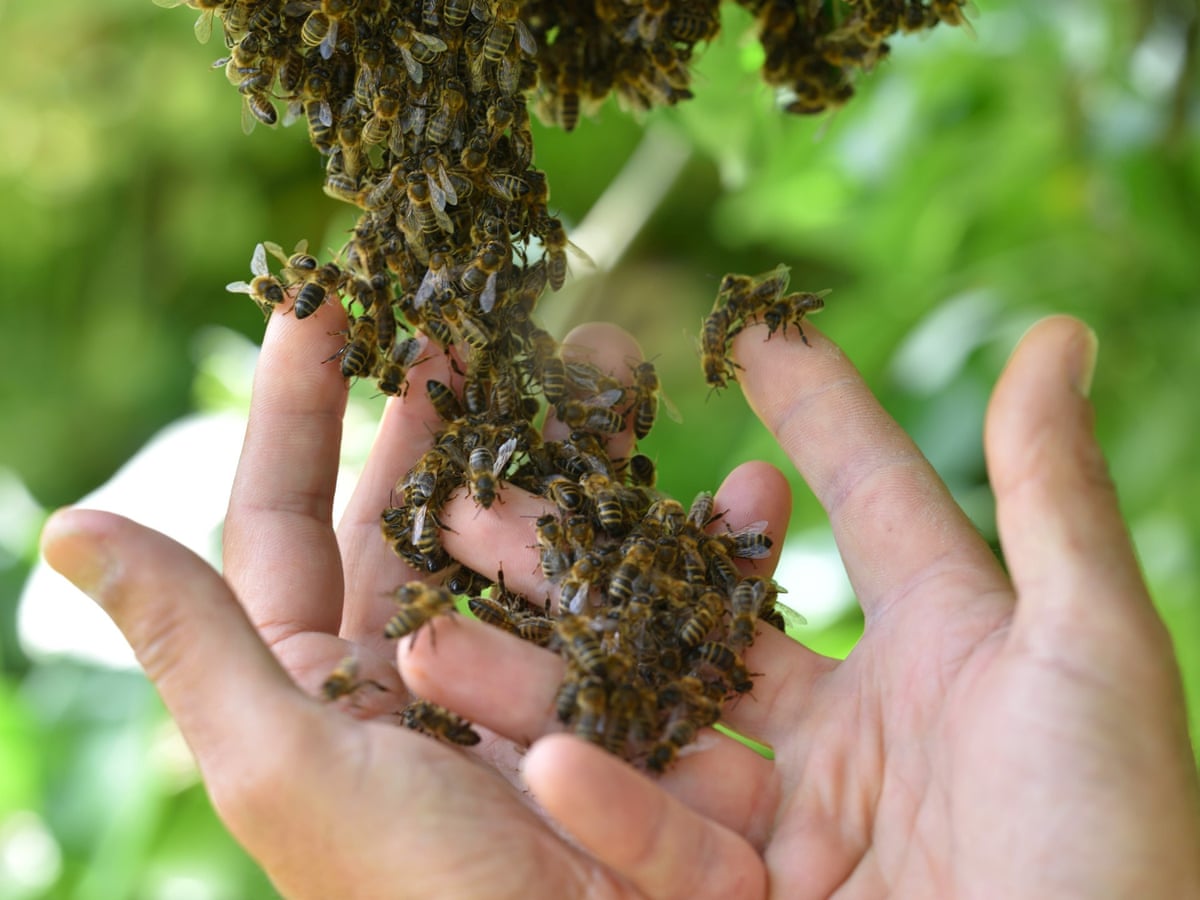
(991,734)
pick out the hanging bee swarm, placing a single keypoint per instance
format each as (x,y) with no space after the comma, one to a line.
(420,110)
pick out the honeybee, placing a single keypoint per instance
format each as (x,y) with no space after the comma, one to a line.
(591,700)
(264,288)
(580,645)
(647,394)
(438,277)
(416,48)
(718,368)
(725,662)
(634,566)
(565,493)
(642,471)
(445,401)
(554,561)
(492,613)
(602,491)
(791,310)
(359,353)
(402,357)
(298,265)
(325,280)
(454,12)
(381,127)
(442,189)
(422,215)
(538,630)
(419,603)
(485,468)
(445,125)
(506,23)
(344,680)
(438,722)
(579,533)
(680,732)
(479,276)
(700,515)
(707,611)
(594,413)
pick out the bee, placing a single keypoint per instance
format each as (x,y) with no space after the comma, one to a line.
(705,614)
(419,603)
(264,288)
(319,30)
(402,357)
(568,87)
(791,310)
(591,701)
(454,12)
(579,533)
(442,189)
(444,400)
(595,413)
(298,265)
(445,125)
(680,732)
(257,107)
(506,23)
(423,216)
(565,493)
(575,588)
(538,630)
(554,561)
(641,471)
(725,662)
(628,711)
(580,645)
(479,276)
(492,613)
(466,325)
(416,48)
(634,566)
(484,469)
(438,277)
(328,278)
(602,492)
(381,127)
(718,368)
(647,394)
(438,722)
(554,380)
(344,680)
(359,353)
(555,240)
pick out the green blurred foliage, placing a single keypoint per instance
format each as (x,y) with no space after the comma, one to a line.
(971,187)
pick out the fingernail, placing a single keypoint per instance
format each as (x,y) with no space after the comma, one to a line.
(1083,367)
(78,556)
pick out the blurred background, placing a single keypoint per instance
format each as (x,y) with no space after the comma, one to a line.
(1048,164)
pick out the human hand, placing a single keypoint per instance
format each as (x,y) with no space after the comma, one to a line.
(334,805)
(988,736)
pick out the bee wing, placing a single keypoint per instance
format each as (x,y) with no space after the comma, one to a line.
(606,399)
(258,262)
(169,4)
(447,186)
(238,287)
(436,195)
(487,297)
(249,120)
(275,250)
(301,246)
(672,410)
(418,523)
(503,455)
(433,43)
(203,26)
(330,42)
(526,39)
(791,618)
(416,71)
(325,114)
(443,220)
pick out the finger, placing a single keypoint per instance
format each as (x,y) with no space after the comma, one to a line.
(613,351)
(222,686)
(372,568)
(1060,524)
(895,522)
(664,848)
(279,550)
(511,686)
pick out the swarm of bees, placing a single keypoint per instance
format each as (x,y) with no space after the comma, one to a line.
(420,112)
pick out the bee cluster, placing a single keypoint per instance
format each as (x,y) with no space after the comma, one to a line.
(419,109)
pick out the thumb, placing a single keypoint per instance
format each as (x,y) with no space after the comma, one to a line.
(1065,542)
(219,681)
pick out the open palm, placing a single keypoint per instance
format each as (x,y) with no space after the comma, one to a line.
(987,736)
